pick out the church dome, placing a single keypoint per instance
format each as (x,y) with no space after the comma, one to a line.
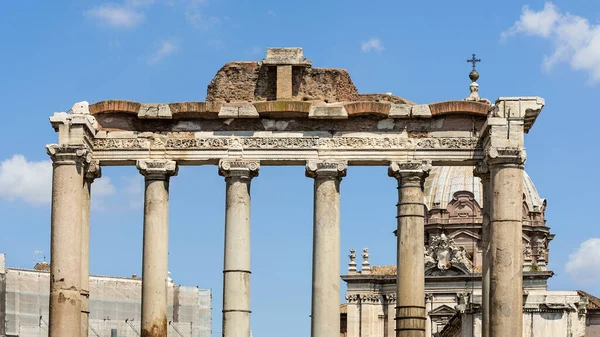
(444,181)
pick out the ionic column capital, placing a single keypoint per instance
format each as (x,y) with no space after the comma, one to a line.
(243,169)
(68,154)
(409,171)
(333,169)
(505,156)
(93,171)
(157,169)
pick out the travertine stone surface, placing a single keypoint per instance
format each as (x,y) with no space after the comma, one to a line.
(420,111)
(505,157)
(156,245)
(284,82)
(236,268)
(410,308)
(285,56)
(333,112)
(65,249)
(325,308)
(483,172)
(155,111)
(92,172)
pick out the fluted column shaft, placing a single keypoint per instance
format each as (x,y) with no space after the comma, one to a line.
(92,172)
(65,248)
(482,171)
(410,280)
(236,266)
(506,247)
(155,258)
(325,304)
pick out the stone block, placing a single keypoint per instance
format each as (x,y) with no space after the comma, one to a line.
(82,108)
(247,111)
(421,111)
(154,111)
(327,112)
(284,82)
(228,111)
(399,111)
(281,56)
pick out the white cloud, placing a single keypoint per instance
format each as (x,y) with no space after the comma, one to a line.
(31,181)
(575,41)
(117,16)
(164,49)
(374,44)
(584,264)
(26,180)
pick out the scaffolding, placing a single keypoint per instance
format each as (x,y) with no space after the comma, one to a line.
(115,303)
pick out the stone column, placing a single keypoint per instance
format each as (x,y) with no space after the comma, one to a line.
(236,269)
(410,279)
(325,305)
(482,171)
(92,171)
(68,162)
(156,245)
(506,248)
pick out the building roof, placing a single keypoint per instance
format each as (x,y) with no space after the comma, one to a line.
(383,270)
(444,181)
(593,301)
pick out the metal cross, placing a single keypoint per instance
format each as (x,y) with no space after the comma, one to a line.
(474,60)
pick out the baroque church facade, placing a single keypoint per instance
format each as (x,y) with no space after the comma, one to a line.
(453,264)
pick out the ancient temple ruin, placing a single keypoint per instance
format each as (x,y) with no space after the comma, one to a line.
(282,111)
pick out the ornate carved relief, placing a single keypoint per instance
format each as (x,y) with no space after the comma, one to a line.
(68,154)
(157,169)
(287,143)
(443,254)
(334,169)
(352,298)
(238,168)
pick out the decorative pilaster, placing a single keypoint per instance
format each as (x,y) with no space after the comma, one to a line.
(156,174)
(92,172)
(428,308)
(410,278)
(325,310)
(236,269)
(68,162)
(482,171)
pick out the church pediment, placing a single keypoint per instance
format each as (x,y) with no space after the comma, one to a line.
(442,310)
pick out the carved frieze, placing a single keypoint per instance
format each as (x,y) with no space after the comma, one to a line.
(352,298)
(469,143)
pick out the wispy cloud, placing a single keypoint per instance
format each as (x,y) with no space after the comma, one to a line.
(584,264)
(164,49)
(575,41)
(116,16)
(195,14)
(373,44)
(271,12)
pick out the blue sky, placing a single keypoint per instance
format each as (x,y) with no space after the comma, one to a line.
(56,53)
